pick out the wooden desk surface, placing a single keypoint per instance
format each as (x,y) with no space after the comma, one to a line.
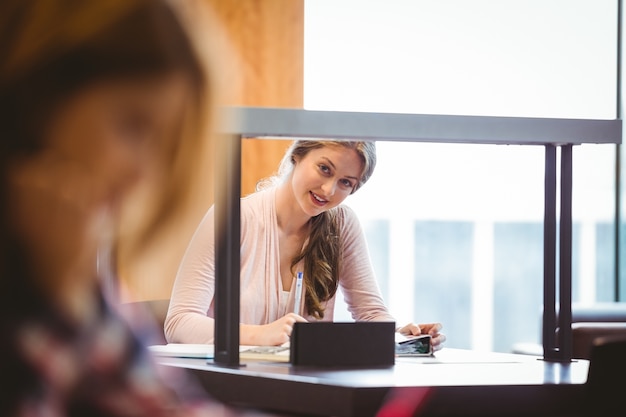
(462,382)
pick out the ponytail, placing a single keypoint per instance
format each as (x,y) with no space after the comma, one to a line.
(322,261)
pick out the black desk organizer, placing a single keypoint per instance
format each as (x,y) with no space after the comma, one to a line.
(351,345)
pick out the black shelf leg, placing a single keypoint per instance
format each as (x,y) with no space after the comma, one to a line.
(549,256)
(227,251)
(561,352)
(565,257)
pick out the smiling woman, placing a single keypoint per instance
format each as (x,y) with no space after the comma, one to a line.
(294,226)
(314,178)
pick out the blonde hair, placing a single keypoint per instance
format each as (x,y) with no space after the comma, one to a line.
(323,254)
(53,49)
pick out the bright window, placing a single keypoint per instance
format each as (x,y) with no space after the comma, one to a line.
(456,231)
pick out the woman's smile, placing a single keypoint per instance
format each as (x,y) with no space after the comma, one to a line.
(317,199)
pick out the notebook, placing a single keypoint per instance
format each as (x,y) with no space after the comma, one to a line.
(200,351)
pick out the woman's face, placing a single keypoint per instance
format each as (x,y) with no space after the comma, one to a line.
(324,177)
(97,147)
(112,132)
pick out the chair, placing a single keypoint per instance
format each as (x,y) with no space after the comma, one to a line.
(606,386)
(585,333)
(588,323)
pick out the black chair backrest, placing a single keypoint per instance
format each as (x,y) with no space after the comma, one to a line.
(606,382)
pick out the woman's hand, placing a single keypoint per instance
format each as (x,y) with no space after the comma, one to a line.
(432,329)
(273,334)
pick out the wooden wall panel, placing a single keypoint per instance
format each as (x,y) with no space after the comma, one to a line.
(266,37)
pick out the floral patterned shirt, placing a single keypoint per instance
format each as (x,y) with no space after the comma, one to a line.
(50,368)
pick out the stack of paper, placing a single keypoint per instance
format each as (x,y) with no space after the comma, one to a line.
(246,353)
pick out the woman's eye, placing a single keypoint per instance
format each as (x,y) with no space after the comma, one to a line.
(324,169)
(347,183)
(133,126)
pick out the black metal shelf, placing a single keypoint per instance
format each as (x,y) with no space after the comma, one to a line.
(553,134)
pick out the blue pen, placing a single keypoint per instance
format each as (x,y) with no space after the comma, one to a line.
(297,307)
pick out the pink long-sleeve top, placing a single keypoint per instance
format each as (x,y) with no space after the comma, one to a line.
(191,311)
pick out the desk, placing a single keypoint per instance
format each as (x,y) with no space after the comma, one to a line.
(463,383)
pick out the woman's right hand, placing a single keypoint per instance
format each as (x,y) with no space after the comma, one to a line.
(273,334)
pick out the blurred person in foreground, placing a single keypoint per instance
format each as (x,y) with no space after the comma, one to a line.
(102,103)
